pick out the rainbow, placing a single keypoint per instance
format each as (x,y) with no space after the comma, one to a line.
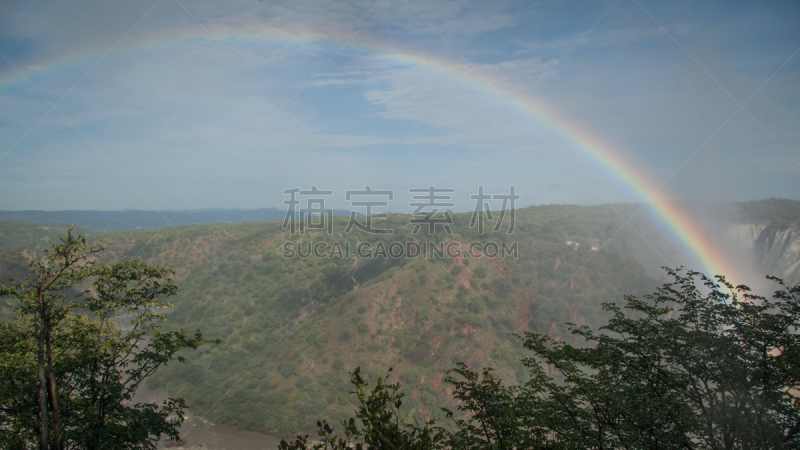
(669,213)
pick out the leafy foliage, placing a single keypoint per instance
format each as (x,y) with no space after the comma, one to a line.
(69,368)
(708,366)
(377,424)
(497,416)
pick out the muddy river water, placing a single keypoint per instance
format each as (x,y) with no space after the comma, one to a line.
(200,434)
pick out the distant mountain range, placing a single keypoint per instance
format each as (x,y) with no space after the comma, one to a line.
(777,211)
(129,219)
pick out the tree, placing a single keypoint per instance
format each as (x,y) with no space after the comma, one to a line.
(85,337)
(377,424)
(687,367)
(699,364)
(496,416)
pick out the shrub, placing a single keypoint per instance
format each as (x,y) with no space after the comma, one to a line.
(288,369)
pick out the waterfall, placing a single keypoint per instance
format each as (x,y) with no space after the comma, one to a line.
(776,250)
(746,234)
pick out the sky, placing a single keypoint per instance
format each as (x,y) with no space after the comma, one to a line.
(181,104)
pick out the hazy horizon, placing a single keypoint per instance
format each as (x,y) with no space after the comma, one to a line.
(354,209)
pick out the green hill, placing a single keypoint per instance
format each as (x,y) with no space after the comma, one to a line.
(18,241)
(292,327)
(777,211)
(23,235)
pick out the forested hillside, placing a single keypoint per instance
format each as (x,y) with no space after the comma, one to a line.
(292,327)
(23,235)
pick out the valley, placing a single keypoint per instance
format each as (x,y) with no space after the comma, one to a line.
(291,328)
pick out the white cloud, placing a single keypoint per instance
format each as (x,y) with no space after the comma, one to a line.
(170,107)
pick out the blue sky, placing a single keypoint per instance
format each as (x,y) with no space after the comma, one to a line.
(194,104)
